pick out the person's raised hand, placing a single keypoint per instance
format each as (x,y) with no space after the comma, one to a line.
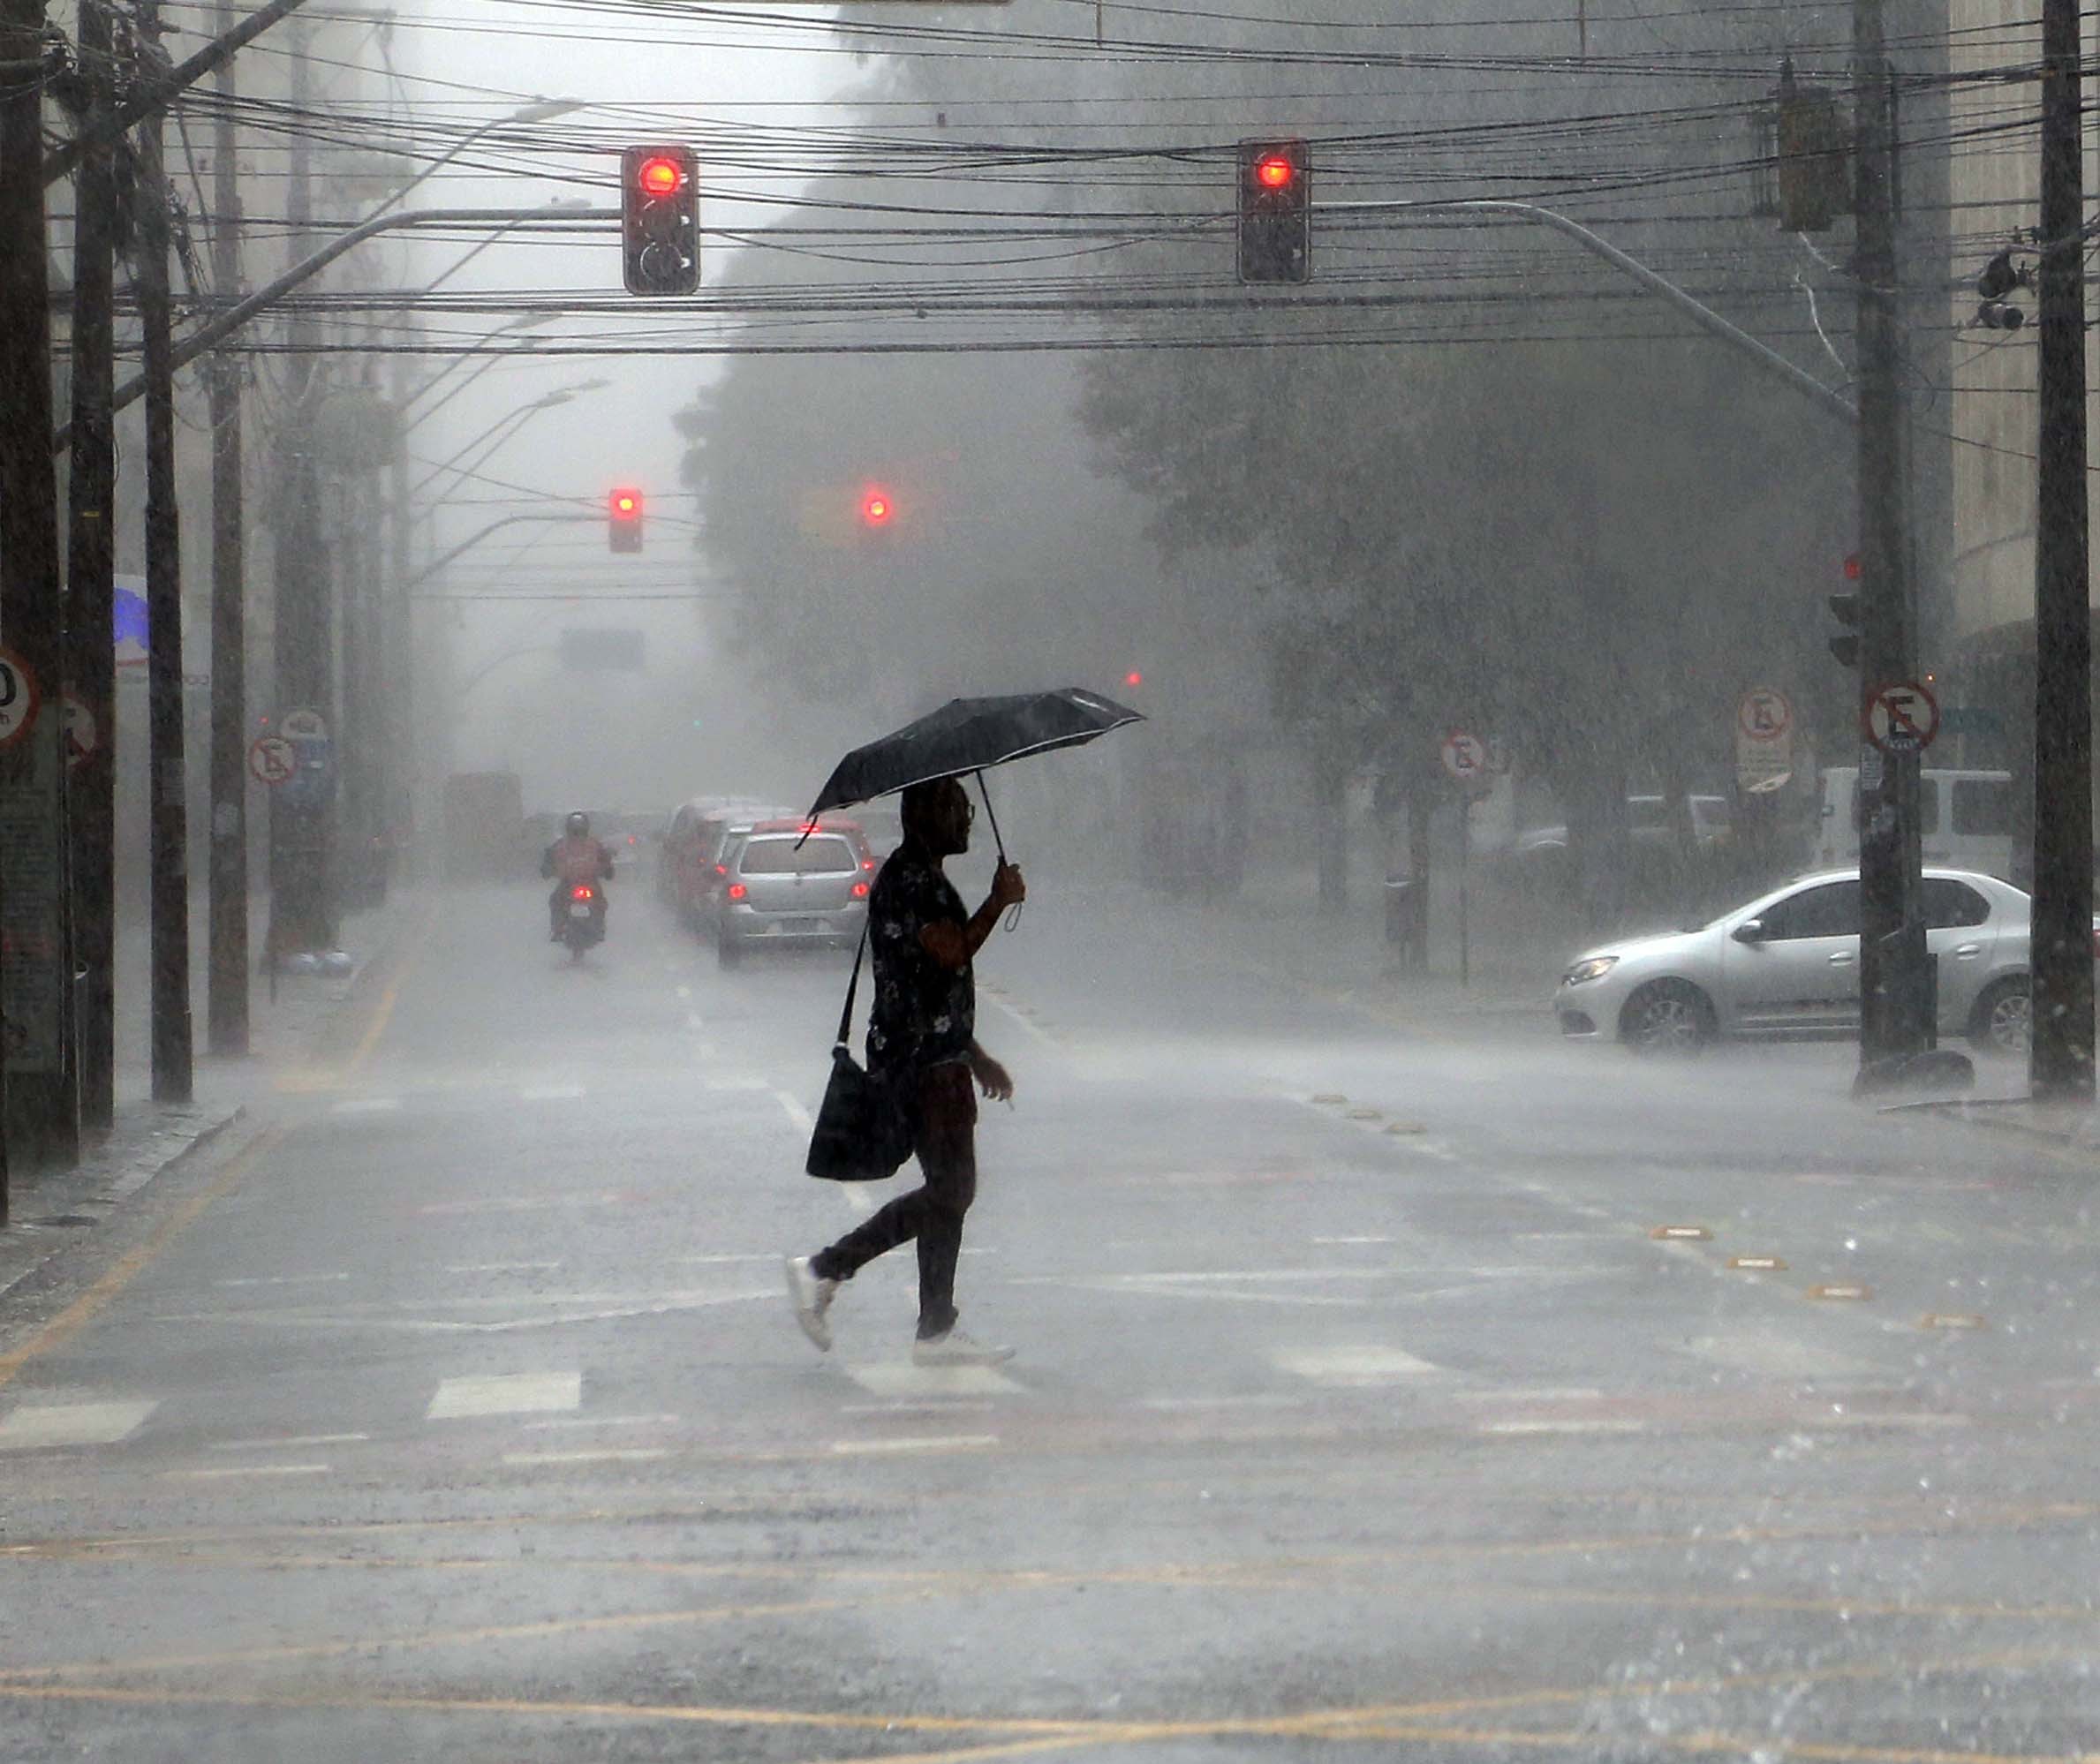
(1007,888)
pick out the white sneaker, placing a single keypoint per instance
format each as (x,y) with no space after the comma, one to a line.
(812,1298)
(956,1349)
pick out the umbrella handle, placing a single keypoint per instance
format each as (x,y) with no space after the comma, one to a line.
(1012,918)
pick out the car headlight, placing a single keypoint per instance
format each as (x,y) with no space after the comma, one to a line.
(1594,968)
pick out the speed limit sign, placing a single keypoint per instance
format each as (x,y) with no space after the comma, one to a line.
(20,699)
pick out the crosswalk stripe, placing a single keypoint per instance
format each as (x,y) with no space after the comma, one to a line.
(506,1393)
(37,1425)
(1370,1363)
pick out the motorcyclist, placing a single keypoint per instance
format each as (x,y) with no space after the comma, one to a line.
(574,860)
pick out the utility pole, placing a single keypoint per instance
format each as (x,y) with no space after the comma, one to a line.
(302,906)
(1897,1007)
(90,580)
(227,1012)
(41,1119)
(171,1047)
(28,484)
(2060,1052)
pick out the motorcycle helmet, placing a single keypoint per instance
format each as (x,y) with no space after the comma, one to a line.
(579,825)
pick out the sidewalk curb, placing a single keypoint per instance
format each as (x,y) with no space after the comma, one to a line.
(1997,1115)
(74,1205)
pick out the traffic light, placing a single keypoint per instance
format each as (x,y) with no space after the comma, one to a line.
(1275,216)
(623,508)
(1845,645)
(1135,678)
(659,219)
(878,508)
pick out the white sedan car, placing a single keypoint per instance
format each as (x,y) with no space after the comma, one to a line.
(1787,965)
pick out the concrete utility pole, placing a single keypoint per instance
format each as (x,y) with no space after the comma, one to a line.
(227,1010)
(166,769)
(90,578)
(2060,1053)
(302,828)
(1897,1005)
(41,1118)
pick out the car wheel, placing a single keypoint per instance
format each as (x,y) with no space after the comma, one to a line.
(2003,1021)
(1668,1017)
(728,952)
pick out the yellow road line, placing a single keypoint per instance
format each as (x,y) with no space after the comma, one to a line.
(84,1310)
(323,1078)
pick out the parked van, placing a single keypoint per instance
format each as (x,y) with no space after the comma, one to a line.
(1965,820)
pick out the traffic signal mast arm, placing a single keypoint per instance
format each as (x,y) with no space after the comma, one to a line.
(203,341)
(1831,403)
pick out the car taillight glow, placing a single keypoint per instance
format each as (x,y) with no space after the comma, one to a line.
(737,891)
(860,891)
(867,863)
(721,869)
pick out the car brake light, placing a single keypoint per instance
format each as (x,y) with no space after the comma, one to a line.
(867,863)
(860,891)
(721,869)
(737,891)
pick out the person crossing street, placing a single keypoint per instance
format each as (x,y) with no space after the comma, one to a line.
(922,1038)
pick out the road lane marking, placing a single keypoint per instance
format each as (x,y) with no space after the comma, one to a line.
(506,1393)
(1597,1424)
(229,1472)
(611,1454)
(526,1203)
(1352,1239)
(1775,1356)
(902,1378)
(931,1442)
(501,1267)
(803,1121)
(602,1421)
(298,1441)
(716,1261)
(366,1105)
(84,1310)
(552,1093)
(36,1426)
(279,1279)
(1368,1363)
(735,1083)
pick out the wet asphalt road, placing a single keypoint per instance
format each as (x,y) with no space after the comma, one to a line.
(451,1407)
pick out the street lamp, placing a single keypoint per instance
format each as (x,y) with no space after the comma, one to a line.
(540,111)
(514,419)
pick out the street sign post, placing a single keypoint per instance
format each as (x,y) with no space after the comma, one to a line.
(19,698)
(1763,740)
(82,734)
(272,760)
(1465,757)
(1902,719)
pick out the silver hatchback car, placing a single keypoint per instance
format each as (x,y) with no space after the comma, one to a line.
(787,882)
(1787,965)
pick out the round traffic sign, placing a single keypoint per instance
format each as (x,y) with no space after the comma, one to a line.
(1763,713)
(1903,718)
(273,759)
(83,735)
(1465,756)
(19,698)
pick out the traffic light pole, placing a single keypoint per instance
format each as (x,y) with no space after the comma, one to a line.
(1831,403)
(1897,1002)
(2060,1050)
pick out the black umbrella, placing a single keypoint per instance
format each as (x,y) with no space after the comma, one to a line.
(967,736)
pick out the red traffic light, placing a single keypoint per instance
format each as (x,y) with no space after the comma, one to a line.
(1852,567)
(876,508)
(1134,678)
(626,505)
(1274,171)
(659,175)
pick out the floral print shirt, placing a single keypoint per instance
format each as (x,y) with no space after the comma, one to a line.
(923,1015)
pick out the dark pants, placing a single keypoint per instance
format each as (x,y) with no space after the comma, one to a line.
(945,1137)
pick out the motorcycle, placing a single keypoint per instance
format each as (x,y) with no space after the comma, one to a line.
(583,925)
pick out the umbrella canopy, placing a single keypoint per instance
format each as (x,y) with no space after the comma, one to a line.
(970,735)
